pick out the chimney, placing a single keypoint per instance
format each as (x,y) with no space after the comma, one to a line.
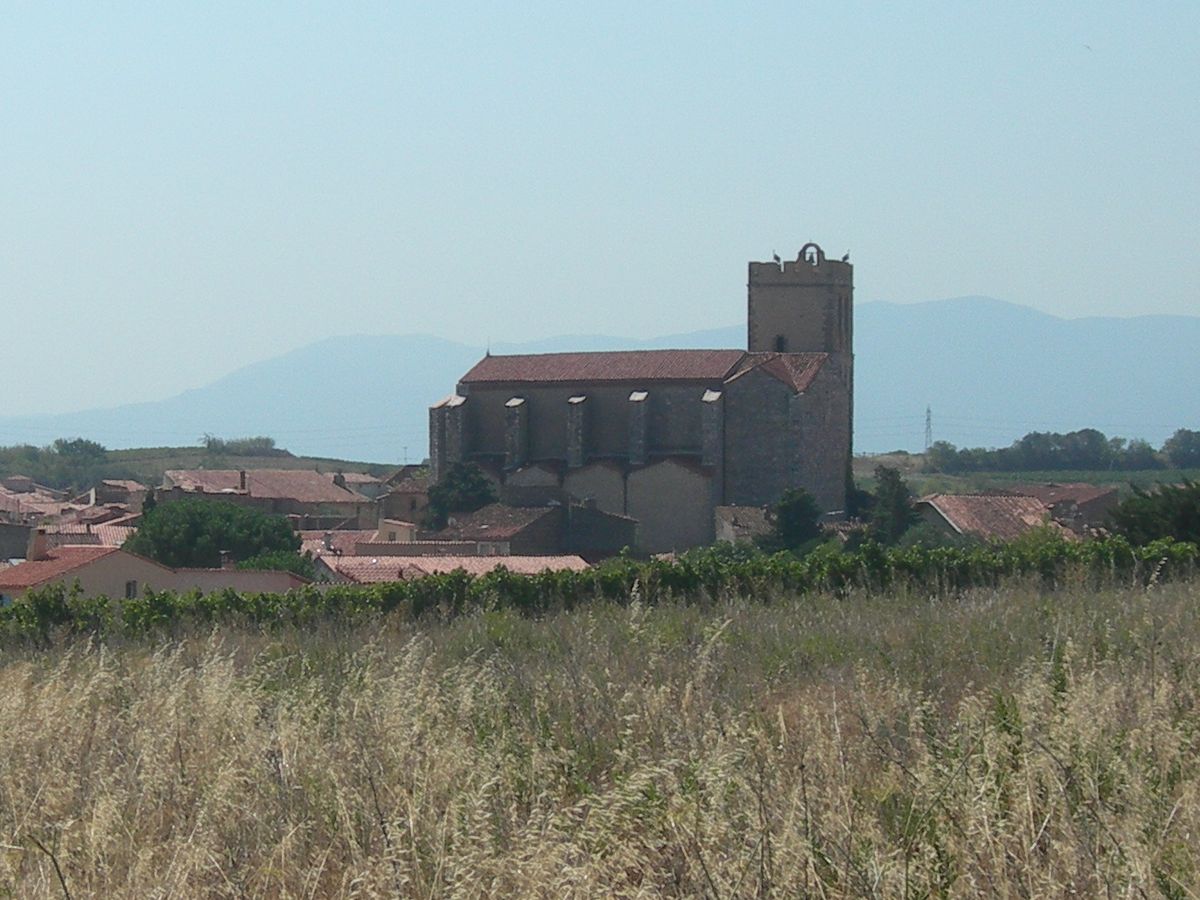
(328,540)
(242,480)
(38,545)
(339,480)
(226,559)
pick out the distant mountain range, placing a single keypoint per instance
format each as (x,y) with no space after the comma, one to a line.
(989,370)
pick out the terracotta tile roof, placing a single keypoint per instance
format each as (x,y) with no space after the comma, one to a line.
(744,523)
(366,569)
(616,365)
(796,370)
(495,522)
(481,565)
(360,478)
(106,534)
(124,484)
(60,562)
(33,503)
(1053,493)
(131,520)
(342,541)
(265,484)
(98,514)
(998,516)
(374,570)
(419,485)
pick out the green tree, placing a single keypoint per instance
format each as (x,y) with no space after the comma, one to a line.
(795,522)
(193,532)
(464,488)
(893,513)
(282,561)
(1171,511)
(1182,449)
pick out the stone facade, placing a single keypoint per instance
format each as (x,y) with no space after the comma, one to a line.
(664,437)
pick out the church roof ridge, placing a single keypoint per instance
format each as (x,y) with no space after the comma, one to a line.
(607,366)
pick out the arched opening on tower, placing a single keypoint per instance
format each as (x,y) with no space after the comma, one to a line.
(812,254)
(780,344)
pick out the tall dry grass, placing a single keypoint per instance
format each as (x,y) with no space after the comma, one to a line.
(1003,744)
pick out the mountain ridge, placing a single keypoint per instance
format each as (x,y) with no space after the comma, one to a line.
(990,369)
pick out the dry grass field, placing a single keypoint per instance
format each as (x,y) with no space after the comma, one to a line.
(1006,743)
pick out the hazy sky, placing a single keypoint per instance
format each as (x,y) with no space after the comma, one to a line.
(188,188)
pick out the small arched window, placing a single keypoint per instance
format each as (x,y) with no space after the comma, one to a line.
(780,344)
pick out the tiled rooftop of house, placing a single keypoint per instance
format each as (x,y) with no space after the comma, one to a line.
(265,484)
(1072,492)
(375,570)
(341,542)
(494,522)
(360,478)
(744,523)
(59,562)
(105,535)
(38,502)
(481,565)
(992,516)
(124,484)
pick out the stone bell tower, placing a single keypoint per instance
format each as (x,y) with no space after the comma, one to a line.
(804,306)
(807,306)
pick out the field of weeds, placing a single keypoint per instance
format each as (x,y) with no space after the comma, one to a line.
(1004,743)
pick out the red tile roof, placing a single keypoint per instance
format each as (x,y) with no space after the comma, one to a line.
(1053,493)
(264,484)
(618,365)
(125,484)
(495,522)
(796,370)
(481,565)
(343,541)
(744,523)
(998,516)
(360,478)
(60,562)
(374,570)
(106,534)
(32,504)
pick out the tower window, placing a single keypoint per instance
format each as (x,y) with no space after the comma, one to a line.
(780,344)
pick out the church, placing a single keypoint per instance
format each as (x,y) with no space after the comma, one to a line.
(667,436)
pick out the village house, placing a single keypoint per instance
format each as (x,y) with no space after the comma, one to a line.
(384,569)
(666,436)
(406,494)
(1078,506)
(310,500)
(993,516)
(24,501)
(113,572)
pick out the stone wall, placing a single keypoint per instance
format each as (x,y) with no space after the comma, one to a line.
(601,424)
(593,532)
(672,501)
(14,540)
(822,432)
(760,446)
(601,482)
(806,303)
(775,440)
